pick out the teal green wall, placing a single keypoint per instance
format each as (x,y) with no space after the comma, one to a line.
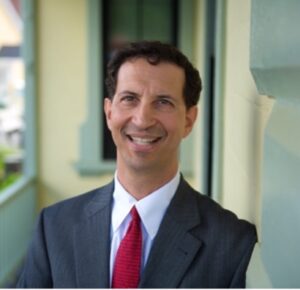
(275,65)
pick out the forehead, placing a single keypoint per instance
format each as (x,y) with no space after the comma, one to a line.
(140,72)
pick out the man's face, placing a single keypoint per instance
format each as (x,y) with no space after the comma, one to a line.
(147,116)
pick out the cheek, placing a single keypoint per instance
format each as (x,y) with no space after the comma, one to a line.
(175,127)
(116,121)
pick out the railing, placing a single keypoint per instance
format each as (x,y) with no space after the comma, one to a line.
(17,217)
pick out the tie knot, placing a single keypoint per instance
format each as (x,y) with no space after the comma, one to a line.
(134,214)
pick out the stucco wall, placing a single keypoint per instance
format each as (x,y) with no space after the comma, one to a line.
(62,95)
(245,115)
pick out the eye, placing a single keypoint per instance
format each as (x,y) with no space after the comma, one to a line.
(128,99)
(165,103)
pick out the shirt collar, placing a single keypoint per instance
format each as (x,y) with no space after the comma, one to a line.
(151,208)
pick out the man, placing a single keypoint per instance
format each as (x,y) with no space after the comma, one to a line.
(148,228)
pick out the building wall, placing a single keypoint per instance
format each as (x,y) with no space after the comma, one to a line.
(62,45)
(245,114)
(275,55)
(62,96)
(268,196)
(199,129)
(62,107)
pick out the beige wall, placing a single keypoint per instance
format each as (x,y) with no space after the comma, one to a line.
(199,44)
(245,114)
(245,117)
(62,96)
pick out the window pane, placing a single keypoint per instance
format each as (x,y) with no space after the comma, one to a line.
(11,93)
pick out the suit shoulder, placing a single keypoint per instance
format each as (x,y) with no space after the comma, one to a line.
(221,219)
(73,207)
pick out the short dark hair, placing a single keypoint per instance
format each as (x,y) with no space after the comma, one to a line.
(155,52)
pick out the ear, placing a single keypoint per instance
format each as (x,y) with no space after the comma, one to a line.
(190,118)
(107,110)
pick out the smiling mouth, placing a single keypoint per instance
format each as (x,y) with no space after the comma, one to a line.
(143,141)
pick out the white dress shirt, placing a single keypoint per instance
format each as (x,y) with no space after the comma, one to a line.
(151,210)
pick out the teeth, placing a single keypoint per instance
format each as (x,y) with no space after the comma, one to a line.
(142,141)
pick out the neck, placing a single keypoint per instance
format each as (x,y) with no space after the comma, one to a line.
(141,184)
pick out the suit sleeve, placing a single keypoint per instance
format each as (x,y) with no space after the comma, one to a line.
(37,272)
(239,278)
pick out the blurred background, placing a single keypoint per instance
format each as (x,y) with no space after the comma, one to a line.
(244,151)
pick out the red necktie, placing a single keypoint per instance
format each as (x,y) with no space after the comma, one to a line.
(127,267)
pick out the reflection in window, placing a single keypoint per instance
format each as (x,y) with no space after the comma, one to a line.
(11,93)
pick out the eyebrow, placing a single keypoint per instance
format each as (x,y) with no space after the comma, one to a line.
(127,93)
(159,96)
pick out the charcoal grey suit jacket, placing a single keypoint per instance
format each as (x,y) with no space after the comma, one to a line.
(198,245)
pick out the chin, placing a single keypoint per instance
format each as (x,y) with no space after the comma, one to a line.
(141,166)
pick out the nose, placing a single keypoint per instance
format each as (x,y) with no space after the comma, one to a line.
(144,116)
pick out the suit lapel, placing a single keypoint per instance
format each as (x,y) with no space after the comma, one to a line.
(174,247)
(92,242)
